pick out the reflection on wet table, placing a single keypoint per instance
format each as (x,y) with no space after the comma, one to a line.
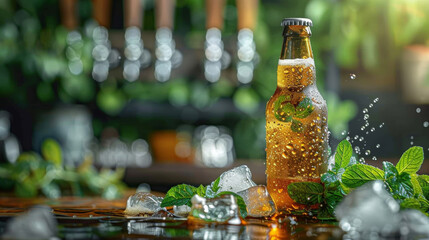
(97,218)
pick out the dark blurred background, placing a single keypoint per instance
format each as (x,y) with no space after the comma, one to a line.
(68,72)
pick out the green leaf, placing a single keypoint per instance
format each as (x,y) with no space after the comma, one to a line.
(411,160)
(201,191)
(179,195)
(424,204)
(240,202)
(411,203)
(329,178)
(26,189)
(402,186)
(390,170)
(297,126)
(424,184)
(283,112)
(418,191)
(343,154)
(212,189)
(308,193)
(359,174)
(304,108)
(51,151)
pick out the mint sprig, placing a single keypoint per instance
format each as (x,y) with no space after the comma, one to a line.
(404,184)
(183,193)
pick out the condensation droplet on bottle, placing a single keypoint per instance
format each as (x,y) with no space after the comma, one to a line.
(418,110)
(352,76)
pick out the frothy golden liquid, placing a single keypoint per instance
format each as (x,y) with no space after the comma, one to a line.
(297,133)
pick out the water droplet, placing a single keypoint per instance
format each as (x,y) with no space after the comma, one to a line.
(284,155)
(289,146)
(366,132)
(372,129)
(365,110)
(356,137)
(361,139)
(362,128)
(352,76)
(370,105)
(411,143)
(357,149)
(367,152)
(376,100)
(374,158)
(348,138)
(361,160)
(377,146)
(365,117)
(412,137)
(366,124)
(343,132)
(381,125)
(426,124)
(418,110)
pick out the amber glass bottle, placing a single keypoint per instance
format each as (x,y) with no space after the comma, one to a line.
(296,115)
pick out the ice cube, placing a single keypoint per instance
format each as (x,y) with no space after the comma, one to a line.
(414,224)
(369,208)
(143,203)
(223,209)
(236,180)
(37,223)
(182,210)
(258,201)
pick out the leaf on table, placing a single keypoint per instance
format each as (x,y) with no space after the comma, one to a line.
(179,195)
(308,193)
(411,160)
(343,154)
(359,174)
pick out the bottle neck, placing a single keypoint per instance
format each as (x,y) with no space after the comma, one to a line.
(296,65)
(296,43)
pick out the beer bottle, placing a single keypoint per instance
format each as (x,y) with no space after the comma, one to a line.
(296,118)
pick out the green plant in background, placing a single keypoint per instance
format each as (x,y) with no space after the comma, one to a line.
(33,174)
(402,181)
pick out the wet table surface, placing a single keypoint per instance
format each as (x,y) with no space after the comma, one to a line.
(97,218)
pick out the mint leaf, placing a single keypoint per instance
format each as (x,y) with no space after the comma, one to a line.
(424,204)
(411,203)
(179,195)
(343,154)
(308,193)
(418,191)
(411,160)
(329,178)
(401,186)
(390,170)
(240,202)
(201,191)
(304,108)
(359,174)
(424,184)
(212,189)
(297,126)
(283,112)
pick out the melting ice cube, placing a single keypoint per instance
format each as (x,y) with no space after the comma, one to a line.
(414,224)
(37,223)
(236,180)
(258,201)
(369,208)
(143,203)
(223,209)
(182,210)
